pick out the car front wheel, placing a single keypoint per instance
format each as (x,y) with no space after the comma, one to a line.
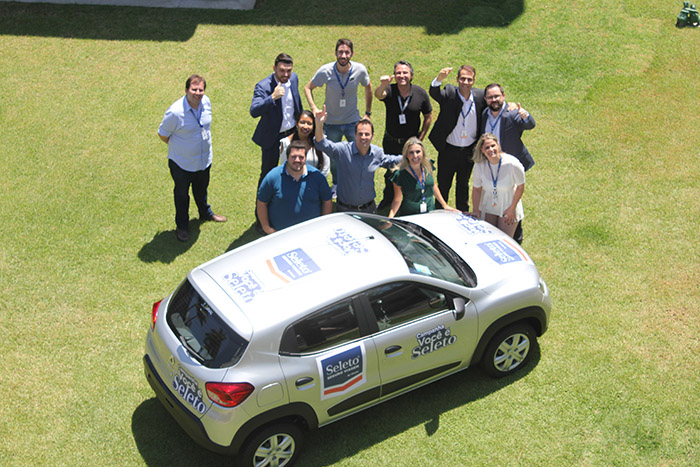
(273,446)
(509,350)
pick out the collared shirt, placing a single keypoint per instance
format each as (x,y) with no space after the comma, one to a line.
(466,124)
(493,124)
(189,133)
(291,201)
(355,171)
(287,102)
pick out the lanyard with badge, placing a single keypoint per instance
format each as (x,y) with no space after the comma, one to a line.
(402,107)
(342,86)
(495,181)
(199,121)
(498,119)
(464,119)
(421,182)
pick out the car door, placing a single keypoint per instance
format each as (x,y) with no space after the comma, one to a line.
(420,334)
(327,364)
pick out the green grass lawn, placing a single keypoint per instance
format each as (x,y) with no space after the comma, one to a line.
(612,209)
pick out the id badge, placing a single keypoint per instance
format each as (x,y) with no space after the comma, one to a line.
(402,119)
(423,207)
(205,134)
(342,102)
(464,133)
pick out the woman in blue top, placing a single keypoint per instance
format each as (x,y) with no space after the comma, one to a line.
(415,188)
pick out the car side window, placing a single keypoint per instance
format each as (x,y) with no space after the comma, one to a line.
(397,303)
(322,330)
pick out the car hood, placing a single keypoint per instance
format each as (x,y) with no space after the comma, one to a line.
(492,254)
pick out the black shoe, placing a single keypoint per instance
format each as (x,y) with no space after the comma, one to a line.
(182,235)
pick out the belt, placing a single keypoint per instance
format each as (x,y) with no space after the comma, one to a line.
(394,139)
(287,132)
(355,208)
(462,148)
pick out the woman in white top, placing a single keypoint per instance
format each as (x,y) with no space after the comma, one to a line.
(498,185)
(305,132)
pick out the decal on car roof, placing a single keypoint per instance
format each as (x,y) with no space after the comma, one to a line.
(292,265)
(343,371)
(244,284)
(346,242)
(432,340)
(472,225)
(502,252)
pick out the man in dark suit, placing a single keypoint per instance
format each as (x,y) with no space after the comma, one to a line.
(456,131)
(507,124)
(276,101)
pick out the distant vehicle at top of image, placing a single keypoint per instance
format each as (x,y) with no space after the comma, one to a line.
(324,319)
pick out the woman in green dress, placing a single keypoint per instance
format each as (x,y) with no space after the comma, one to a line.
(415,188)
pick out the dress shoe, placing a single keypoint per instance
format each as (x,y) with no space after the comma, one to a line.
(182,235)
(216,218)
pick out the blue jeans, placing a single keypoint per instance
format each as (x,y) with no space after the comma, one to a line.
(200,182)
(335,133)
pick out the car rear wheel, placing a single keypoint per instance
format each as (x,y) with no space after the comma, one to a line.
(273,446)
(509,350)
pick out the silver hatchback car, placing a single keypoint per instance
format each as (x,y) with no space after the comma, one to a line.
(306,326)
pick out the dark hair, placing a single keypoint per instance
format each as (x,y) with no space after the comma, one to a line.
(284,58)
(468,68)
(403,62)
(296,145)
(494,85)
(195,79)
(347,42)
(295,137)
(365,121)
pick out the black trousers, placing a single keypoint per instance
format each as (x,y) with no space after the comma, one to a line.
(453,160)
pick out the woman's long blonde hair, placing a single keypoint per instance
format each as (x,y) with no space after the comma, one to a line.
(425,162)
(478,156)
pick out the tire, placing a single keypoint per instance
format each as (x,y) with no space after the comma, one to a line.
(509,350)
(273,446)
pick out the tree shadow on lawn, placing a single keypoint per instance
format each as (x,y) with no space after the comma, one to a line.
(161,441)
(165,247)
(160,24)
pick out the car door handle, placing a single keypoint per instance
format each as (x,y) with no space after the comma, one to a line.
(304,381)
(392,349)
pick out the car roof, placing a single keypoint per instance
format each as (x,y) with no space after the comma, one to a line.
(306,266)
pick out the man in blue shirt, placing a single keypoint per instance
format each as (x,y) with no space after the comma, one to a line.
(186,129)
(292,193)
(356,161)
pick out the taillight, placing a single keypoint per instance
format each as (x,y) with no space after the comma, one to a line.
(229,394)
(154,314)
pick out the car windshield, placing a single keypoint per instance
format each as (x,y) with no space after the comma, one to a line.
(424,253)
(201,331)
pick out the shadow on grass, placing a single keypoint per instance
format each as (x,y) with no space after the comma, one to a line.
(159,24)
(161,441)
(246,237)
(165,247)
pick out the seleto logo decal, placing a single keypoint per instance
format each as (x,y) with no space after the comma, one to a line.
(292,265)
(189,390)
(342,371)
(244,284)
(500,252)
(433,339)
(346,243)
(472,225)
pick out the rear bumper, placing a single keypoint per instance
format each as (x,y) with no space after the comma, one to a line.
(187,421)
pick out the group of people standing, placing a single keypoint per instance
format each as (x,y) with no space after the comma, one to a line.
(475,128)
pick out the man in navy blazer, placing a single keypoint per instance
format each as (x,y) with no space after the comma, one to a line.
(456,131)
(276,101)
(508,125)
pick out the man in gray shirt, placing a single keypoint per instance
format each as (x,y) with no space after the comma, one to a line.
(341,79)
(357,162)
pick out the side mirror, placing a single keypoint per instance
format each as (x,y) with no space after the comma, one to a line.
(460,307)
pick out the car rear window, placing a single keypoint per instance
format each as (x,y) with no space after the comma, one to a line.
(201,331)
